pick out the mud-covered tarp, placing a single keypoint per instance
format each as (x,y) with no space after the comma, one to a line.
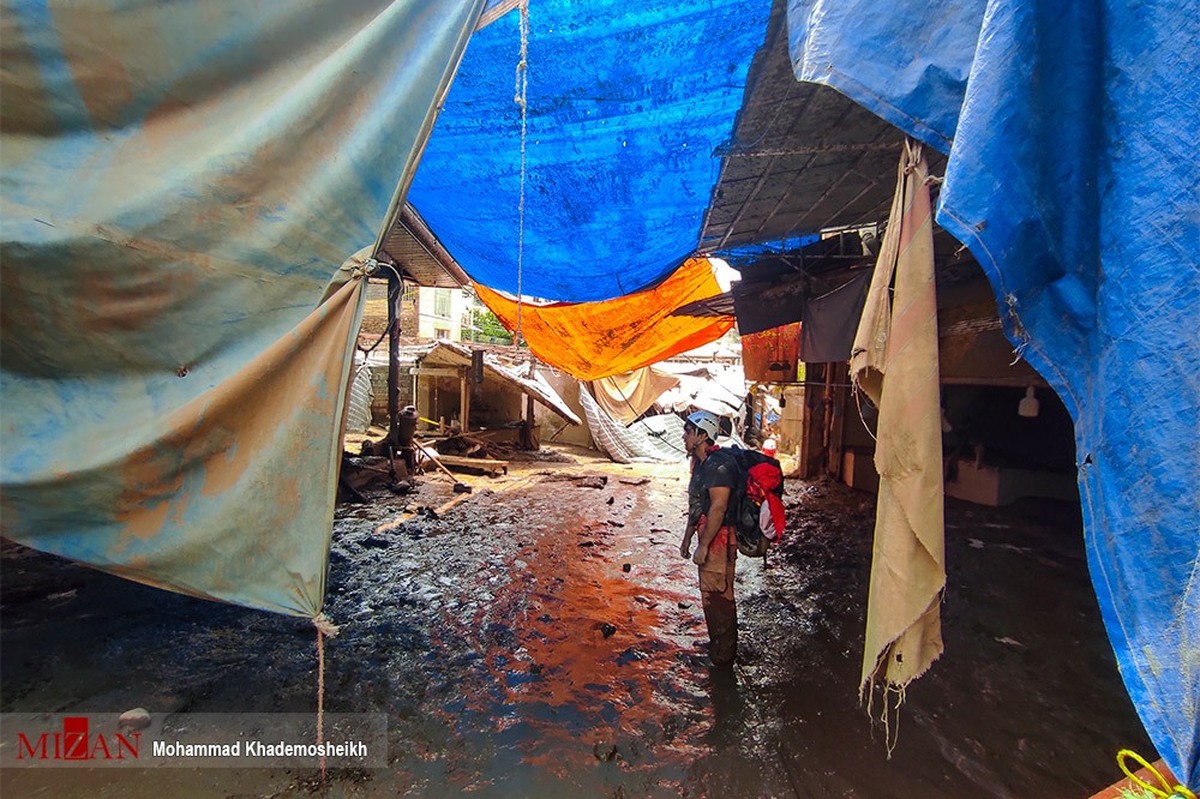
(590,340)
(181,181)
(1071,129)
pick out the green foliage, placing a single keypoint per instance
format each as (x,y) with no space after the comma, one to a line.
(486,328)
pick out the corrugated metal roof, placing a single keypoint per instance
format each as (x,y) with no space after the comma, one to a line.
(804,158)
(452,353)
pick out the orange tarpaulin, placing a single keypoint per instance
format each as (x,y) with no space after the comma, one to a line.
(591,340)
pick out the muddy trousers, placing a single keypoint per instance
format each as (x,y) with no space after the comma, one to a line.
(716,597)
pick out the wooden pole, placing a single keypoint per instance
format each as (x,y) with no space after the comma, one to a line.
(464,402)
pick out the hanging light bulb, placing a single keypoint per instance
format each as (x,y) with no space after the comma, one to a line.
(1029,405)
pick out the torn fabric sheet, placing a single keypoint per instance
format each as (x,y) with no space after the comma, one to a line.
(628,395)
(895,361)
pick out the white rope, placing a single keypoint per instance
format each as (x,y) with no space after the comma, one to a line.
(861,416)
(325,628)
(520,92)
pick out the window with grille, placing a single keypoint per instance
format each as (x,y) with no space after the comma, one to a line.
(441,303)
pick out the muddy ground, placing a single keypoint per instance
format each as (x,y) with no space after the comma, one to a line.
(543,638)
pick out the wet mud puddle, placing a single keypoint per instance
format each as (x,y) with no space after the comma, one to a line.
(545,639)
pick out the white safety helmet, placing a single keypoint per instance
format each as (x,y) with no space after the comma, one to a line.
(706,422)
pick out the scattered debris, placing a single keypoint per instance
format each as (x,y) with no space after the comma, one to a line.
(604,751)
(631,655)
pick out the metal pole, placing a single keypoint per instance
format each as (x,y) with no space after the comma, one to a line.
(395,290)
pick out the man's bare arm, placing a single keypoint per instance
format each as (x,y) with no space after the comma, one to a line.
(685,547)
(718,502)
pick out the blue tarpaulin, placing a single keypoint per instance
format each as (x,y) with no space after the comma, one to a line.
(627,104)
(1071,129)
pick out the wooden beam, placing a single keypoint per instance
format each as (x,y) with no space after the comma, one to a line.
(488,465)
(439,371)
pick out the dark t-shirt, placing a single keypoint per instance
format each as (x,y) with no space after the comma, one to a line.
(717,470)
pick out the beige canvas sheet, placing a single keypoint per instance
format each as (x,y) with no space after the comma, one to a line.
(894,361)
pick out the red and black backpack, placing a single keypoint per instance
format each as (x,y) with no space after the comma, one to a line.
(756,503)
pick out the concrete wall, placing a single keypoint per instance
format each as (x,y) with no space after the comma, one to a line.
(379,373)
(552,427)
(435,322)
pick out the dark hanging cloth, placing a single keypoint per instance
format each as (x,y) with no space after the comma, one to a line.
(760,306)
(831,320)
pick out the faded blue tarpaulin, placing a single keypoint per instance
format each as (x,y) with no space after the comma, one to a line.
(181,182)
(627,103)
(1073,176)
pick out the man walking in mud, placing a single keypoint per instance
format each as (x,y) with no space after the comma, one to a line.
(709,492)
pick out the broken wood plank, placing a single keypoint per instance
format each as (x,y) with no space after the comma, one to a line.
(484,464)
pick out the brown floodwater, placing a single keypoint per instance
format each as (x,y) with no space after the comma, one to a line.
(543,638)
